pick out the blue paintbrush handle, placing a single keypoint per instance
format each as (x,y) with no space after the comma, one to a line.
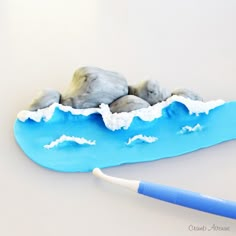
(189,199)
(176,196)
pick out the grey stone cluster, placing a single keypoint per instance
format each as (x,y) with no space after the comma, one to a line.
(92,86)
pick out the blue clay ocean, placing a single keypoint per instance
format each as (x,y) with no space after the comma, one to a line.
(90,138)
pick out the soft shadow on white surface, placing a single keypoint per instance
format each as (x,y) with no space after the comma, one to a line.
(180,43)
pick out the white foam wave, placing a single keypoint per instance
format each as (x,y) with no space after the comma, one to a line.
(147,139)
(65,138)
(115,121)
(189,129)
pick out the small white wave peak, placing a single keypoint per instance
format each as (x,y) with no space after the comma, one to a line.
(190,129)
(65,138)
(147,139)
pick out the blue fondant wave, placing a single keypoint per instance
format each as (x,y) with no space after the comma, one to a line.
(177,131)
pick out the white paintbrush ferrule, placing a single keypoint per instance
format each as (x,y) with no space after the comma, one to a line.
(129,184)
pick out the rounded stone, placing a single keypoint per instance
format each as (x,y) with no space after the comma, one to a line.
(128,103)
(44,99)
(150,91)
(187,93)
(92,86)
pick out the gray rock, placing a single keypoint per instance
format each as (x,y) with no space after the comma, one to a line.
(128,103)
(150,91)
(187,93)
(45,98)
(92,86)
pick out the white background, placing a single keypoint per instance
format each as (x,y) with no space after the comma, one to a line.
(181,43)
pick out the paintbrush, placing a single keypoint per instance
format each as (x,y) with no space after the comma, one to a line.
(176,196)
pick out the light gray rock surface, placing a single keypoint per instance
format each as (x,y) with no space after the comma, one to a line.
(45,98)
(150,91)
(187,93)
(92,86)
(128,103)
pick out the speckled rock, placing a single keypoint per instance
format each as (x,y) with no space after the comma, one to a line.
(128,103)
(150,91)
(187,93)
(92,86)
(45,98)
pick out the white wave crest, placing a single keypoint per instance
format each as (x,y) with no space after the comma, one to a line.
(147,139)
(115,121)
(65,138)
(189,129)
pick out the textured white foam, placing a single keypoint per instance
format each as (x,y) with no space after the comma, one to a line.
(147,139)
(189,129)
(115,121)
(65,138)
